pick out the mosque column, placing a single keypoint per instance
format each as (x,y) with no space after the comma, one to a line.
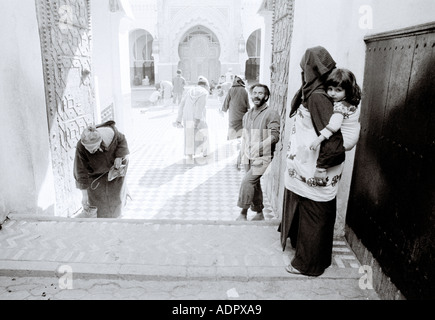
(243,56)
(266,46)
(156,55)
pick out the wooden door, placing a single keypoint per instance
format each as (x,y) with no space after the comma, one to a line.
(392,197)
(200,57)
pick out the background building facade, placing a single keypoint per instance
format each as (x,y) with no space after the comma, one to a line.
(201,38)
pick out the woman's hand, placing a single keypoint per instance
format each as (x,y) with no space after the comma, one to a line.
(320,176)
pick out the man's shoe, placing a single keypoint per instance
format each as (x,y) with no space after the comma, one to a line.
(258,217)
(242,217)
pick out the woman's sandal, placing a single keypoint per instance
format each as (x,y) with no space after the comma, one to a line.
(291,269)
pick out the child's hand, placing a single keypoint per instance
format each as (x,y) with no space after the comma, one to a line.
(340,106)
(316,143)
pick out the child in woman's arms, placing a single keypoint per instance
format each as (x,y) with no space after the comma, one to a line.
(344,91)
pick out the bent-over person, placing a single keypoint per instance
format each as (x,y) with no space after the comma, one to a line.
(99,149)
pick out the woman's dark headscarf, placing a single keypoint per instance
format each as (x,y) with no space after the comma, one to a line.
(316,64)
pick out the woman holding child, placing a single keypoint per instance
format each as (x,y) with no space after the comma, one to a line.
(312,175)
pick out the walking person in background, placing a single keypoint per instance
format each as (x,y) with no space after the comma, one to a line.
(226,86)
(229,76)
(261,130)
(219,90)
(236,104)
(179,83)
(311,176)
(100,165)
(212,87)
(205,80)
(192,112)
(166,89)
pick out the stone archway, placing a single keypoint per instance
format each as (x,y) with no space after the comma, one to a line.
(142,60)
(199,53)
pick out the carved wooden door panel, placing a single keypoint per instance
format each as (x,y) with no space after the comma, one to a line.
(282,35)
(65,33)
(199,57)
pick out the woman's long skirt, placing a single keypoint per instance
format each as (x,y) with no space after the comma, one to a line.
(310,226)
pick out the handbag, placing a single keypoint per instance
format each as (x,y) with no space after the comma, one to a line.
(112,174)
(116,173)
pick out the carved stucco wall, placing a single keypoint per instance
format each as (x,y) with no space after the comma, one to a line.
(64,27)
(281,41)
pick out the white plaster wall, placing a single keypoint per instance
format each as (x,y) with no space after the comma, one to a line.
(26,180)
(396,14)
(102,54)
(340,27)
(123,83)
(251,21)
(266,48)
(111,62)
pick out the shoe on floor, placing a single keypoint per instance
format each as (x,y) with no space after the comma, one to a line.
(242,217)
(291,269)
(258,217)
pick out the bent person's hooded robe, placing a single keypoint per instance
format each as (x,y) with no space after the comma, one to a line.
(91,172)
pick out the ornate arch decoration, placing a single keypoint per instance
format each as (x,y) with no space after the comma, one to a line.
(135,36)
(251,47)
(196,18)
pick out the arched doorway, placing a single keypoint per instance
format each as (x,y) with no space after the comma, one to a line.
(199,53)
(253,48)
(142,60)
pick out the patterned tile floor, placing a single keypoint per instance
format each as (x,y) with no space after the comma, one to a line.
(163,184)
